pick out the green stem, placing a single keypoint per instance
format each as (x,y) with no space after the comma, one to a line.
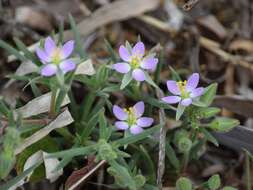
(86,106)
(248,175)
(52,104)
(65,133)
(185,161)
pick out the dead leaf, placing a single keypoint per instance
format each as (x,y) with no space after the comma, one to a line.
(34,18)
(78,174)
(63,119)
(211,23)
(245,45)
(38,105)
(50,165)
(85,68)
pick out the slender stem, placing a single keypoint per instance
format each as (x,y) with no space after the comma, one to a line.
(52,104)
(248,175)
(162,142)
(185,161)
(86,105)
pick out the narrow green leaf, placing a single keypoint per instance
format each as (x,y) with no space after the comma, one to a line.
(150,81)
(175,75)
(126,80)
(73,152)
(22,176)
(135,138)
(214,182)
(210,137)
(180,111)
(102,125)
(29,55)
(12,51)
(78,40)
(171,155)
(150,164)
(209,94)
(109,48)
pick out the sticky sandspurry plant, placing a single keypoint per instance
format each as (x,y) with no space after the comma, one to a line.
(124,139)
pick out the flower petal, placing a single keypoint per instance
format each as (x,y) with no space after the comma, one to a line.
(192,82)
(173,87)
(186,102)
(138,75)
(119,113)
(49,70)
(67,49)
(171,99)
(42,55)
(197,92)
(49,45)
(145,121)
(139,109)
(149,63)
(135,129)
(122,67)
(121,125)
(138,50)
(124,54)
(67,65)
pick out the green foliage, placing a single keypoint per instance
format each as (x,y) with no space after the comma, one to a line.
(131,159)
(223,124)
(214,182)
(183,183)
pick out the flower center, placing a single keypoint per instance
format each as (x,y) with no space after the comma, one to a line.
(181,86)
(131,120)
(135,62)
(56,56)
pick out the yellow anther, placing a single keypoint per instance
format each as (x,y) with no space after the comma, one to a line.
(131,116)
(181,86)
(135,62)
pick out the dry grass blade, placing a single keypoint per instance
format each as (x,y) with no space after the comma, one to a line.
(62,120)
(38,105)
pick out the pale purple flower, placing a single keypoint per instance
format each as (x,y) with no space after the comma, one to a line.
(134,61)
(184,91)
(55,57)
(131,118)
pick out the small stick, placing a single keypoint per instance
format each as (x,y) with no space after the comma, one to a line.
(87,175)
(162,142)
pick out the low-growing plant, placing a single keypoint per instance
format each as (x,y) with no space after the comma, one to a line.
(44,137)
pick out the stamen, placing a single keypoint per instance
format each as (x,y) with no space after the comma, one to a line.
(131,116)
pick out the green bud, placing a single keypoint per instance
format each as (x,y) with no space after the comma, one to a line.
(6,164)
(119,179)
(140,180)
(209,112)
(214,182)
(184,144)
(178,135)
(223,124)
(106,152)
(183,183)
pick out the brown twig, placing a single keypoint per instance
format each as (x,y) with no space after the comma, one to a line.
(162,142)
